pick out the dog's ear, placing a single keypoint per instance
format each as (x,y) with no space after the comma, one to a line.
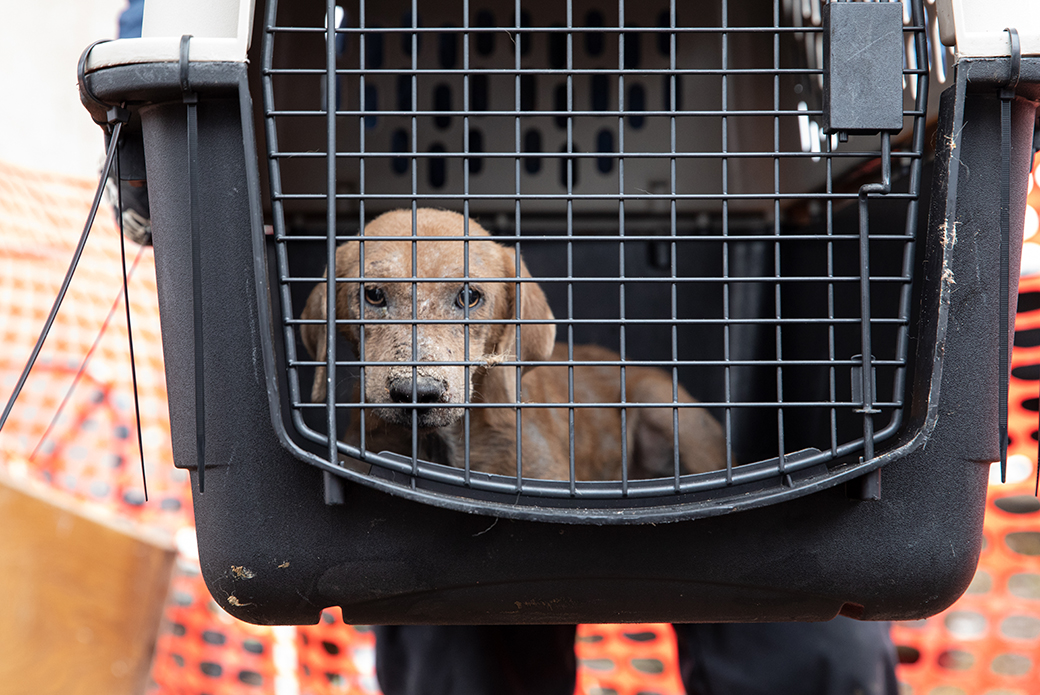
(536,340)
(314,338)
(315,335)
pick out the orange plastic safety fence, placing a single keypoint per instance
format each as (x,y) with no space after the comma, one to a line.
(336,659)
(631,659)
(202,649)
(637,659)
(92,452)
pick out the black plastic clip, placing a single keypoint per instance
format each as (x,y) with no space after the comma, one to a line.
(1007,95)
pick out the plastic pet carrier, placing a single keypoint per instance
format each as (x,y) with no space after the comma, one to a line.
(562,312)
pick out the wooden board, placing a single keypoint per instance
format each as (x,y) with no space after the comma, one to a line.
(81,595)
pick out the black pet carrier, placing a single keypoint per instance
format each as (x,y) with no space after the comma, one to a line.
(797,262)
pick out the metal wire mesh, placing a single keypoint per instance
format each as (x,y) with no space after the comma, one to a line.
(660,170)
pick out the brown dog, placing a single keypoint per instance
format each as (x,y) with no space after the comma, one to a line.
(441,388)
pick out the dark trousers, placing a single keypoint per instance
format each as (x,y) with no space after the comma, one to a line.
(840,657)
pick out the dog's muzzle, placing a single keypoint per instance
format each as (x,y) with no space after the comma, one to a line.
(420,396)
(422,390)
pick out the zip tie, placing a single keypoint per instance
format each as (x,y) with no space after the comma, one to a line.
(129,328)
(190,99)
(113,112)
(1007,95)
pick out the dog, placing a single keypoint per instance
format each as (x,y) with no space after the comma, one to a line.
(437,390)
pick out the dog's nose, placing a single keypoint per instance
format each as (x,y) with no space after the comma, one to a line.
(427,390)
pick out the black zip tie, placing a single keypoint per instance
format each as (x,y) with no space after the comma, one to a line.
(1007,95)
(83,365)
(191,100)
(119,116)
(115,114)
(129,328)
(112,112)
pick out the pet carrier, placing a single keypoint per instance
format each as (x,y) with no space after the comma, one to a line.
(796,261)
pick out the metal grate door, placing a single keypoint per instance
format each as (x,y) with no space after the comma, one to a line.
(661,170)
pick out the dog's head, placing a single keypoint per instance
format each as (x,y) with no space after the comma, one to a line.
(421,324)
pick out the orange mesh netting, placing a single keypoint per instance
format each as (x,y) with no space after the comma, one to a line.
(336,658)
(202,649)
(91,452)
(637,659)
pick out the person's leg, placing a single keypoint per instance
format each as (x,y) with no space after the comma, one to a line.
(840,657)
(476,660)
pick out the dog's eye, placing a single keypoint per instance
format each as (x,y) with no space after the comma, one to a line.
(375,296)
(471,298)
